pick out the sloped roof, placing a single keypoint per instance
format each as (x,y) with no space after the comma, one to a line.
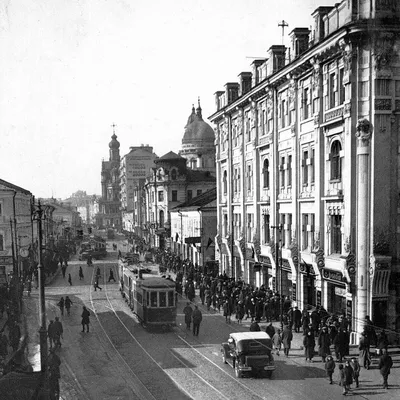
(170,156)
(14,187)
(199,201)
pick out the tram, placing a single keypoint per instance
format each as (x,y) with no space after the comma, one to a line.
(150,297)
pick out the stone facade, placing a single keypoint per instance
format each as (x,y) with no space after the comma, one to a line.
(290,169)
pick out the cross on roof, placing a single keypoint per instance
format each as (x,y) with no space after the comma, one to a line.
(113,126)
(283,24)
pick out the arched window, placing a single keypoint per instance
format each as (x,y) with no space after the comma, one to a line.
(173,174)
(225,182)
(336,164)
(266,173)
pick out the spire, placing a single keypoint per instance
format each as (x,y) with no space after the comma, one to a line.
(198,111)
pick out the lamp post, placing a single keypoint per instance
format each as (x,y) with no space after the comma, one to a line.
(278,262)
(39,213)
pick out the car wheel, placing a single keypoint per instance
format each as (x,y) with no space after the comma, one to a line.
(224,358)
(238,372)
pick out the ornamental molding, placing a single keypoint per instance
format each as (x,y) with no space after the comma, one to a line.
(381,242)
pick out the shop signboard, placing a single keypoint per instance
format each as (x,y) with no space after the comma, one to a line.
(265,260)
(349,312)
(285,265)
(294,292)
(319,298)
(339,291)
(332,275)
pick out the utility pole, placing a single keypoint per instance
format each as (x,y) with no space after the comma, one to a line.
(38,214)
(278,263)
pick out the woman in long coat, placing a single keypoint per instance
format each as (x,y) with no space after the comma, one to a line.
(324,343)
(309,344)
(287,337)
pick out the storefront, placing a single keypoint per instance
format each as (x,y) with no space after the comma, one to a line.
(236,271)
(308,283)
(266,270)
(335,287)
(285,276)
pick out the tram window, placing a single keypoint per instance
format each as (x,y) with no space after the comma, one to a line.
(163,299)
(153,299)
(139,298)
(171,298)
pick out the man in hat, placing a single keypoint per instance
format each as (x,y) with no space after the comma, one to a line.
(188,311)
(385,364)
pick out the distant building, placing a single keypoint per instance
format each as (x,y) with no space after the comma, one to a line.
(86,204)
(198,146)
(172,183)
(194,227)
(134,168)
(109,215)
(17,233)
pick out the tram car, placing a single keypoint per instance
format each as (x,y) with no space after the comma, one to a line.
(152,298)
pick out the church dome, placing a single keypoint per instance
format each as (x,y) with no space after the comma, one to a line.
(114,144)
(197,130)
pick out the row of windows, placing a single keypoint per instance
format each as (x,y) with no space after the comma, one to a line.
(285,170)
(174,195)
(307,230)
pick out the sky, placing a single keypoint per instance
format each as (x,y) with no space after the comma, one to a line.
(70,69)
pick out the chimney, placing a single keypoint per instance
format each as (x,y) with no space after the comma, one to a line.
(219,100)
(276,58)
(319,26)
(231,92)
(244,82)
(299,38)
(256,78)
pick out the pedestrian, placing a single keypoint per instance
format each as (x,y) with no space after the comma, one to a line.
(81,274)
(364,355)
(111,277)
(348,373)
(309,344)
(68,304)
(96,283)
(98,271)
(227,311)
(69,279)
(197,316)
(277,341)
(287,337)
(324,343)
(85,319)
(61,305)
(188,311)
(240,311)
(382,342)
(330,368)
(254,327)
(342,379)
(58,331)
(63,270)
(339,342)
(50,333)
(385,364)
(270,330)
(356,370)
(297,319)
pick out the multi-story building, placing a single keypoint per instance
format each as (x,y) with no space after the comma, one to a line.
(134,168)
(17,233)
(109,215)
(193,228)
(172,183)
(307,161)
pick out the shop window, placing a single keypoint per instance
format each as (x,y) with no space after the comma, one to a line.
(225,182)
(336,234)
(336,164)
(266,174)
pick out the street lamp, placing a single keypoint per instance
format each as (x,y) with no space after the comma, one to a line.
(39,214)
(278,261)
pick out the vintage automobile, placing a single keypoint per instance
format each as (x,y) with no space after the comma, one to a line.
(249,353)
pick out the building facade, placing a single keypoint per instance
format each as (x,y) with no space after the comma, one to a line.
(109,215)
(171,183)
(193,228)
(308,167)
(134,168)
